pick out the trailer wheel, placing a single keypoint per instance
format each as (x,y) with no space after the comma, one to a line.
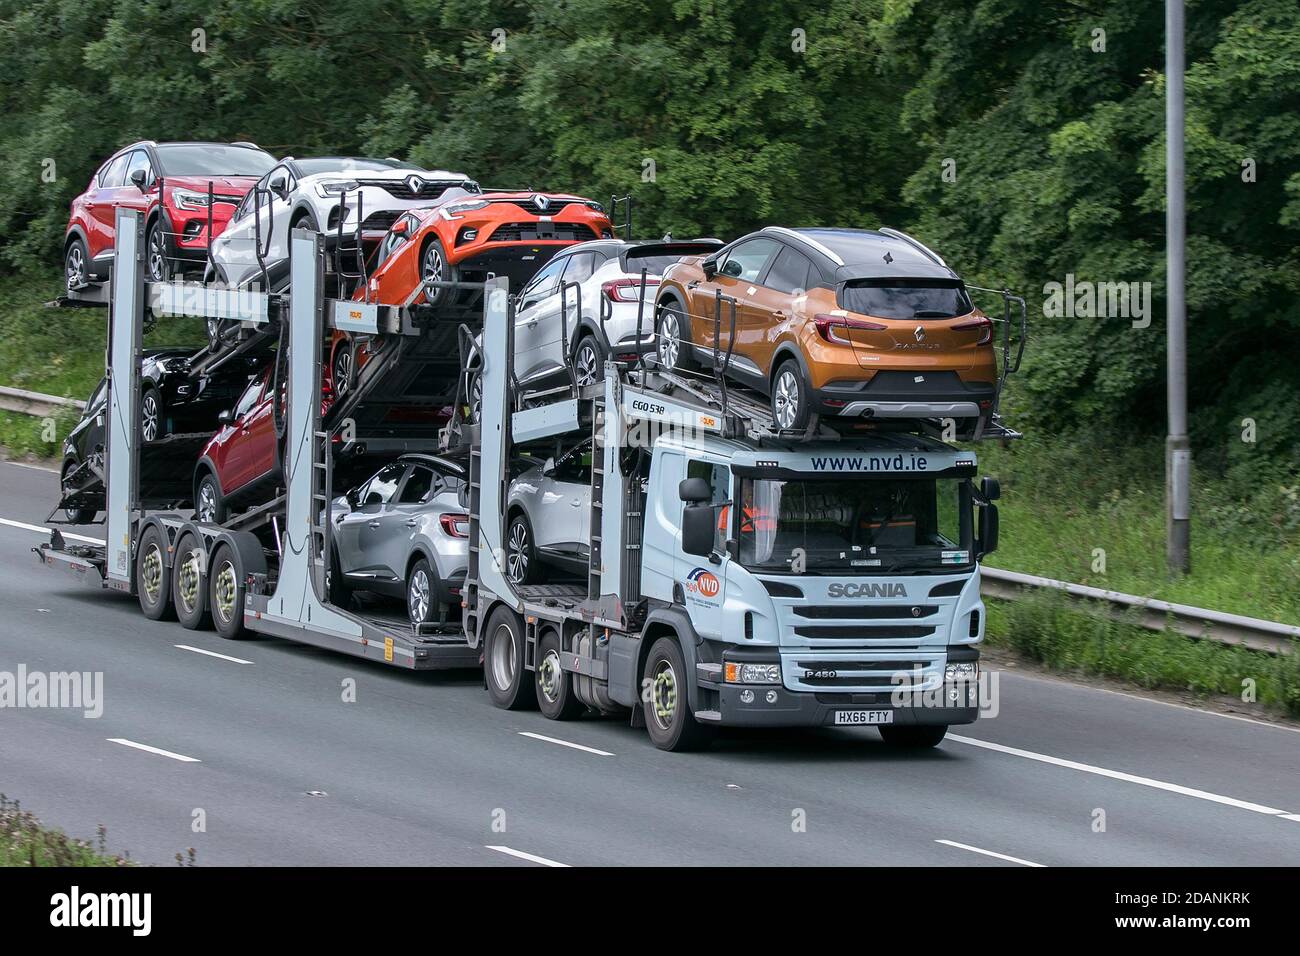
(153,583)
(668,716)
(226,593)
(189,583)
(913,738)
(507,681)
(555,695)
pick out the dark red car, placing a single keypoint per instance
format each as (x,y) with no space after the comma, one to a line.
(239,460)
(176,216)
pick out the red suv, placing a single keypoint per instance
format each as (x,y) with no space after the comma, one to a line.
(240,460)
(176,230)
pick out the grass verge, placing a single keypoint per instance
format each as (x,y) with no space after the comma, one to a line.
(25,842)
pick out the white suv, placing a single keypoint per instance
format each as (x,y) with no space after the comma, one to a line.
(608,272)
(316,194)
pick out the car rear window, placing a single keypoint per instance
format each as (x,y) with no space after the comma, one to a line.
(656,258)
(209,160)
(906,298)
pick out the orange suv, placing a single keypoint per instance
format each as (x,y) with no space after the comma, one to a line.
(851,323)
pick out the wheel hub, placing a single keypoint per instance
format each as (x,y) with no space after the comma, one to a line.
(225,588)
(418,598)
(663,695)
(151,568)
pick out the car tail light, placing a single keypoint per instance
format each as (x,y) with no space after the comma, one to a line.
(827,325)
(627,290)
(456,526)
(983,322)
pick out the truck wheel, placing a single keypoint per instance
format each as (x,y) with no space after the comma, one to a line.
(668,715)
(226,594)
(555,697)
(153,583)
(508,683)
(189,584)
(913,738)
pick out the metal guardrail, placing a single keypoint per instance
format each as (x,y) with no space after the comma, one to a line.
(34,403)
(1198,622)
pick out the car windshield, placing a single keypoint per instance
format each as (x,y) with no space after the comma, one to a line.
(906,298)
(657,265)
(864,525)
(213,160)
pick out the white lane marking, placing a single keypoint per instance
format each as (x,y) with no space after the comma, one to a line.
(224,657)
(40,529)
(566,743)
(1000,856)
(23,464)
(153,750)
(520,854)
(1125,777)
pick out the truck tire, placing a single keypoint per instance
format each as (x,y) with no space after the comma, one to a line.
(226,590)
(668,716)
(508,683)
(153,583)
(555,696)
(914,737)
(189,583)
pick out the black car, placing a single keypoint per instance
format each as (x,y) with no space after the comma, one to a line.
(173,402)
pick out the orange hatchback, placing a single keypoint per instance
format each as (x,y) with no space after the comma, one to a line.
(850,323)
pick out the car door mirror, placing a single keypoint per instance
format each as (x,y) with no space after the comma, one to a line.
(279,185)
(709,268)
(352,497)
(548,469)
(401,228)
(226,417)
(697,528)
(139,177)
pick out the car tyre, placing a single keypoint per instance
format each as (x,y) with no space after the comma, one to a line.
(556,698)
(209,506)
(421,593)
(76,266)
(667,711)
(588,361)
(791,397)
(73,515)
(189,583)
(342,365)
(157,266)
(522,565)
(340,590)
(153,583)
(508,683)
(913,737)
(672,337)
(152,423)
(434,265)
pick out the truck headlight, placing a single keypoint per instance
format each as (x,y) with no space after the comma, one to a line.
(967,671)
(752,673)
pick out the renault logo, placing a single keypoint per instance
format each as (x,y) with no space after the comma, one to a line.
(415,184)
(919,334)
(541,202)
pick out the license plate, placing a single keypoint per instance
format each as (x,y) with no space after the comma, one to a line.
(861,718)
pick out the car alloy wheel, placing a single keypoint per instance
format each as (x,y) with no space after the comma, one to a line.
(517,554)
(417,597)
(149,414)
(157,255)
(670,339)
(342,369)
(432,269)
(75,267)
(586,364)
(207,508)
(785,399)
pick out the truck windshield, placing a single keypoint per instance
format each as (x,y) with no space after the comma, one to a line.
(866,525)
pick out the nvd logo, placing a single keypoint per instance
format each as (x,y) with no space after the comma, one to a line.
(703,582)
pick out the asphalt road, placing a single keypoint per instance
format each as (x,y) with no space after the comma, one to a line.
(421,769)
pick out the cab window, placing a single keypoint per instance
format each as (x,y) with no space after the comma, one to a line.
(719,480)
(746,261)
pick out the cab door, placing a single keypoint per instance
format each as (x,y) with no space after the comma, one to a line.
(702,583)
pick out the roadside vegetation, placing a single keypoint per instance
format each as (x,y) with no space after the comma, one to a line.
(25,842)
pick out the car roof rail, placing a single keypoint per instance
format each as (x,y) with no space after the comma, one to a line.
(915,243)
(245,142)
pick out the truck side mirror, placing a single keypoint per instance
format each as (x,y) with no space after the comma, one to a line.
(694,490)
(988,528)
(990,489)
(697,528)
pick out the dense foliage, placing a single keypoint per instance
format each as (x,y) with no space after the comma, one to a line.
(999,131)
